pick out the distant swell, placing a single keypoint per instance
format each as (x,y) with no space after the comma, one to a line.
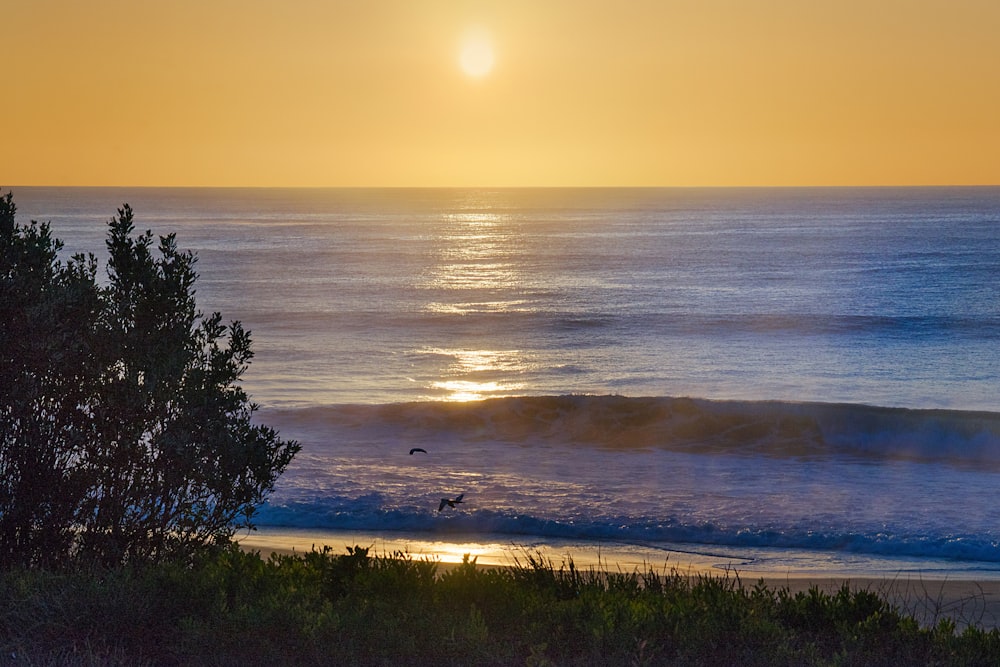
(699,426)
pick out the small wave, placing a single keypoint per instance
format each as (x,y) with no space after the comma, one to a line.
(701,426)
(371,513)
(818,324)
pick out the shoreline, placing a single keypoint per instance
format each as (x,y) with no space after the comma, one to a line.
(929,590)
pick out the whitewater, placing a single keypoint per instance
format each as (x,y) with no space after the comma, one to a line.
(783,377)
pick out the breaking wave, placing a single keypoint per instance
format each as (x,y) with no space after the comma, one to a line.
(655,470)
(692,425)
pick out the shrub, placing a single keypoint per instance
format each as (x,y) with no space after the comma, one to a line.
(124,433)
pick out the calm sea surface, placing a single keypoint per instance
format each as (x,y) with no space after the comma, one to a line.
(751,370)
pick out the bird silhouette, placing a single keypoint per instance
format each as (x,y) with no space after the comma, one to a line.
(450,503)
(417,449)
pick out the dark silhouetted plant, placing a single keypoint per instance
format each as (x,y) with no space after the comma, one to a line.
(230,607)
(125,434)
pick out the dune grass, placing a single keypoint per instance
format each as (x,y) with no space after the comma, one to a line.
(322,608)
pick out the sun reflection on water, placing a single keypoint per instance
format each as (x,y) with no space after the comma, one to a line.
(464,390)
(476,268)
(513,305)
(472,375)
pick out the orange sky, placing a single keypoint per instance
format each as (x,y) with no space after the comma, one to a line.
(581,93)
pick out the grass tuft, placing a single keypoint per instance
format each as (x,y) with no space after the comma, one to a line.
(322,608)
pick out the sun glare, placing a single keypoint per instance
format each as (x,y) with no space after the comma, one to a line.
(476,54)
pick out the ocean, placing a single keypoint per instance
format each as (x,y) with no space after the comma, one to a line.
(787,378)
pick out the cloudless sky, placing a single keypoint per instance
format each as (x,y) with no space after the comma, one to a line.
(577,92)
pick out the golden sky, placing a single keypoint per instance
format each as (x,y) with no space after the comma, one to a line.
(577,92)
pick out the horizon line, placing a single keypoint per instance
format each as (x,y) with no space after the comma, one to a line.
(509,187)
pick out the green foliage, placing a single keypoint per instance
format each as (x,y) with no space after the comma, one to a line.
(124,433)
(48,369)
(235,608)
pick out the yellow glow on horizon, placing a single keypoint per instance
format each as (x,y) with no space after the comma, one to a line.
(602,93)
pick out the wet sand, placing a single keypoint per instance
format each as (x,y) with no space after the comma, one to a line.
(930,591)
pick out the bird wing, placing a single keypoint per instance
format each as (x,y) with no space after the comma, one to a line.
(418,449)
(444,501)
(459,499)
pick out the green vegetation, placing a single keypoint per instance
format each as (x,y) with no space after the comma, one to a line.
(235,608)
(124,434)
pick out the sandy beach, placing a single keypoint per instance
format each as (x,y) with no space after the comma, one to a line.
(928,590)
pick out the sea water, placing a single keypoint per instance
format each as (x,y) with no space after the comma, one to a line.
(762,373)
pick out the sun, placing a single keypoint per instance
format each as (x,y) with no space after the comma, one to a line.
(476,53)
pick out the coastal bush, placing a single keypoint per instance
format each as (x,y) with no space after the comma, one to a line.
(48,372)
(235,608)
(124,433)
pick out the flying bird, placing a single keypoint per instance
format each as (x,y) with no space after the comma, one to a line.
(450,503)
(417,449)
